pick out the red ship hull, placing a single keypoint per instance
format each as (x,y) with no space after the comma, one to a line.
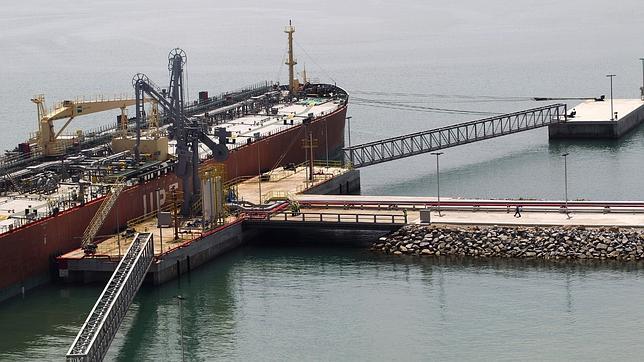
(29,251)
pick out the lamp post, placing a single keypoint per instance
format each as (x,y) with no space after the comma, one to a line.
(438,182)
(326,142)
(259,174)
(158,192)
(349,126)
(642,89)
(612,115)
(565,156)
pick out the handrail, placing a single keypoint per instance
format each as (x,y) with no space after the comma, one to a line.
(101,325)
(338,217)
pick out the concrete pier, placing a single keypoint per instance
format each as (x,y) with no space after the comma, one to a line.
(194,246)
(593,119)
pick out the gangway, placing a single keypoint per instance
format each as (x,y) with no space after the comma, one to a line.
(100,216)
(96,335)
(439,138)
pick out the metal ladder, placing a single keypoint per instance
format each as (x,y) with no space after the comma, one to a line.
(96,335)
(102,213)
(7,176)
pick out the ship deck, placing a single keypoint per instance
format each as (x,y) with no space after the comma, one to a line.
(244,129)
(251,127)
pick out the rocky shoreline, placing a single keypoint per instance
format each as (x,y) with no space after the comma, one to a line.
(515,242)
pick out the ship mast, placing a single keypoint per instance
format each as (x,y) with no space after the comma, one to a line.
(290,29)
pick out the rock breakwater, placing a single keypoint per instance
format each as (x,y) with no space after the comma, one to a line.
(515,242)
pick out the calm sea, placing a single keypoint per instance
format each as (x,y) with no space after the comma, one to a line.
(345,304)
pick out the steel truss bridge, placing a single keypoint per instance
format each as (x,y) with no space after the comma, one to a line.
(96,335)
(395,148)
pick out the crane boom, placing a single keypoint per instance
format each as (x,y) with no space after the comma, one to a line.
(47,138)
(70,109)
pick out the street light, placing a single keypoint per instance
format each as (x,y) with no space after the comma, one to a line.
(158,192)
(259,174)
(612,115)
(349,124)
(565,156)
(438,182)
(642,89)
(326,142)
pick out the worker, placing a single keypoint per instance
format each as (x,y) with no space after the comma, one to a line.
(295,208)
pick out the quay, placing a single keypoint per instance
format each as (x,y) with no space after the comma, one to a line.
(332,216)
(192,245)
(593,119)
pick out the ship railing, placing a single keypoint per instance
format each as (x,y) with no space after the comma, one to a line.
(329,163)
(237,180)
(149,215)
(277,195)
(9,162)
(100,327)
(221,99)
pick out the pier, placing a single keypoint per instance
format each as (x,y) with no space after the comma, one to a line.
(593,119)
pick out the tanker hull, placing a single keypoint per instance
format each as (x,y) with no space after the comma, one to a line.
(29,251)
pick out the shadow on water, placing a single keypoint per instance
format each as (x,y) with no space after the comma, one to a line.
(558,146)
(208,301)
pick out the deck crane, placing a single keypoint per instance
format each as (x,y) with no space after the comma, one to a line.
(187,132)
(48,140)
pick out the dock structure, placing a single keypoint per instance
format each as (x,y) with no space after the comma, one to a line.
(193,245)
(482,212)
(320,213)
(593,119)
(96,335)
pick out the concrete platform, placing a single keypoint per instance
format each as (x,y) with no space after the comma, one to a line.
(283,183)
(593,119)
(195,246)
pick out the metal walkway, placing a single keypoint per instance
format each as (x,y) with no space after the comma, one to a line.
(95,337)
(338,219)
(436,139)
(102,213)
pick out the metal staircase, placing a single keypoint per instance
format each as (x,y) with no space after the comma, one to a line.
(96,335)
(7,177)
(101,214)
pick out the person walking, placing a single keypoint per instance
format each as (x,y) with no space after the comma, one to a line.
(517,211)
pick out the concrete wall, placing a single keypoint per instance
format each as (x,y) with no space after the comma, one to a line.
(347,183)
(195,254)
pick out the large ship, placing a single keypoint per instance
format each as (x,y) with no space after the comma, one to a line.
(54,187)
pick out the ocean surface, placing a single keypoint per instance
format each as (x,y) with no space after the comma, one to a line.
(299,303)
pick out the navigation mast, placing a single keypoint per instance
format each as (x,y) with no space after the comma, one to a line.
(290,29)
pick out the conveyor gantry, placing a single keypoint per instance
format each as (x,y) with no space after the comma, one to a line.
(95,337)
(436,139)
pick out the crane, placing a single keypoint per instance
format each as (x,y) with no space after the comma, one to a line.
(48,140)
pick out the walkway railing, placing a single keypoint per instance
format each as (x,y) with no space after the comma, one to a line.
(436,139)
(102,213)
(331,217)
(96,335)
